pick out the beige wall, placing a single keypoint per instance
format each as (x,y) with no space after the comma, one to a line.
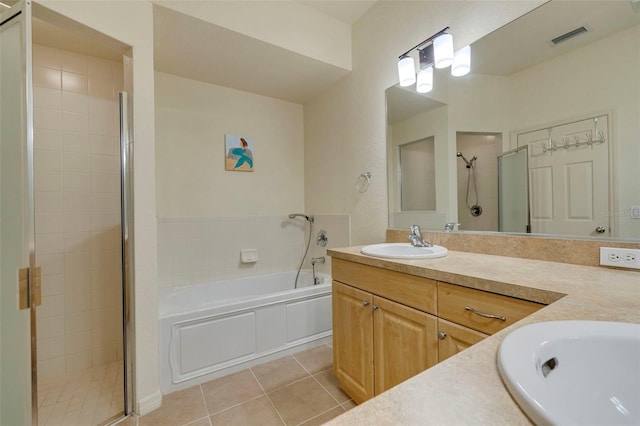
(192,119)
(345,127)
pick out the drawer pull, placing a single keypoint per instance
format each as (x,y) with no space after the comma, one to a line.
(482,314)
(442,335)
(365,303)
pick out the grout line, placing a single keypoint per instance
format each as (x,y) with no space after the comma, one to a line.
(235,405)
(268,398)
(204,400)
(318,415)
(197,420)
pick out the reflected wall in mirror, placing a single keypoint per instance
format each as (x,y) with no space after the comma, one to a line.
(574,104)
(417,175)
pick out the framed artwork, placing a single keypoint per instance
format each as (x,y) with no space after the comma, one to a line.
(239,153)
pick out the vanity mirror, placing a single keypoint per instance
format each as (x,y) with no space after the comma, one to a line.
(551,113)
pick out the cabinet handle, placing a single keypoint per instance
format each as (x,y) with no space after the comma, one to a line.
(441,335)
(374,307)
(482,314)
(365,303)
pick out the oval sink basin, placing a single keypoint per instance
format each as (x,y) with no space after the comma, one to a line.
(403,251)
(574,372)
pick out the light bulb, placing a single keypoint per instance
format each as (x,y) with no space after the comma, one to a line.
(443,50)
(406,71)
(461,62)
(425,80)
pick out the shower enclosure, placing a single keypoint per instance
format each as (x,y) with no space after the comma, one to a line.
(65,221)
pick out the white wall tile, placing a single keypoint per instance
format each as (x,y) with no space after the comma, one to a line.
(51,327)
(76,282)
(75,182)
(50,347)
(76,142)
(107,240)
(102,88)
(73,122)
(76,222)
(51,306)
(78,321)
(72,82)
(73,62)
(49,202)
(77,302)
(78,362)
(44,56)
(104,163)
(75,102)
(77,242)
(102,144)
(78,342)
(47,139)
(45,160)
(103,222)
(47,98)
(50,243)
(103,182)
(44,118)
(105,202)
(100,68)
(48,222)
(48,78)
(53,285)
(76,202)
(76,162)
(77,261)
(47,181)
(102,125)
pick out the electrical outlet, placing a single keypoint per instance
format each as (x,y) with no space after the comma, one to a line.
(623,258)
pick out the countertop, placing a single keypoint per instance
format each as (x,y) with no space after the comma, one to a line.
(467,389)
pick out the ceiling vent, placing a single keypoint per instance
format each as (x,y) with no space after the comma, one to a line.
(571,34)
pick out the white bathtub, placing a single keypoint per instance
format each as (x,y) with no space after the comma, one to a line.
(209,330)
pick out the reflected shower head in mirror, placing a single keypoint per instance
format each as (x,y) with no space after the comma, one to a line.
(294,215)
(468,162)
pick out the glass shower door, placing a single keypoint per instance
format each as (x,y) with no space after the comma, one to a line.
(513,191)
(16,217)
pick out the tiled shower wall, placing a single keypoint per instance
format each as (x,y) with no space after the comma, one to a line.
(77,190)
(199,250)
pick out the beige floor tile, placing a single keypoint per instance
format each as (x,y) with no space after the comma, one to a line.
(200,422)
(330,383)
(177,408)
(230,390)
(324,417)
(316,359)
(258,412)
(302,400)
(280,372)
(129,421)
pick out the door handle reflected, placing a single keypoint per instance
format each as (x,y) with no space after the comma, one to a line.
(600,229)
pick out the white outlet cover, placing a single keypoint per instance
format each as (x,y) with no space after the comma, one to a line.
(620,257)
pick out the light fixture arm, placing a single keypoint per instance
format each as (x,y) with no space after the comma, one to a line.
(430,39)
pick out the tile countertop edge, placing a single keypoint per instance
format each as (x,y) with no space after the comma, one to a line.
(467,388)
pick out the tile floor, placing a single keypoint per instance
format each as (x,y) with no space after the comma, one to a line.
(89,397)
(299,389)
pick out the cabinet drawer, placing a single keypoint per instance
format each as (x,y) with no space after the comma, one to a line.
(467,306)
(417,292)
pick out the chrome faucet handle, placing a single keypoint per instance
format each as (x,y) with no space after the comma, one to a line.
(416,238)
(316,260)
(451,226)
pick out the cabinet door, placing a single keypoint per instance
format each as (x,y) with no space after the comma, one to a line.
(353,341)
(454,338)
(405,343)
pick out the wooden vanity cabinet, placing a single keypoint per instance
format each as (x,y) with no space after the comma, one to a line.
(389,326)
(378,342)
(454,338)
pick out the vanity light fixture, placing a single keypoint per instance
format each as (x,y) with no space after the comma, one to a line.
(436,51)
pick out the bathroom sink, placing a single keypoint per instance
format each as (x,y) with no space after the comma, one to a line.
(403,251)
(574,372)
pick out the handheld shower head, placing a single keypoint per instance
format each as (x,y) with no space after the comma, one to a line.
(294,215)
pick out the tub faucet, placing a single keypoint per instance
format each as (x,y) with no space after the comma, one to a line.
(416,238)
(316,260)
(451,226)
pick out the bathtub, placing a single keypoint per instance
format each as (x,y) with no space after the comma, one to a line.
(210,330)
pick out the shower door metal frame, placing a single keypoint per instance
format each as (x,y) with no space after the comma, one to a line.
(128,248)
(499,158)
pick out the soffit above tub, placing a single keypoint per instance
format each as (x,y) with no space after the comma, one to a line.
(192,48)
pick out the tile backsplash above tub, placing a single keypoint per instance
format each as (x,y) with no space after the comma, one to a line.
(198,250)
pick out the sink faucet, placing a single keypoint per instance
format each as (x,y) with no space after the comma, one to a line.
(416,238)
